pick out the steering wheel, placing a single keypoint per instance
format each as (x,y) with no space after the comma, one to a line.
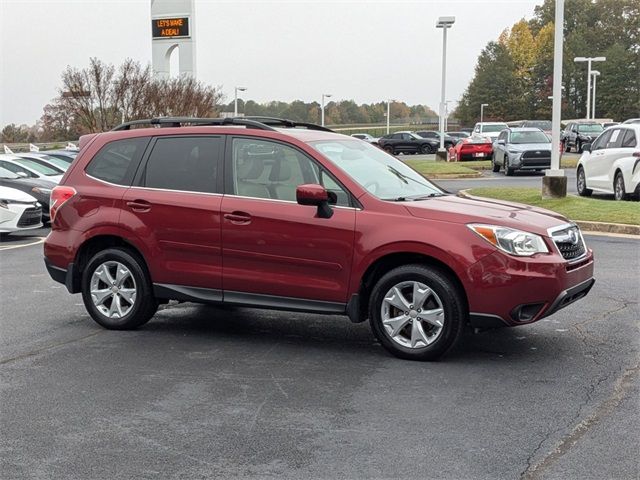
(373,184)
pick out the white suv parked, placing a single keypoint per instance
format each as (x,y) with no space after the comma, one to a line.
(489,129)
(611,164)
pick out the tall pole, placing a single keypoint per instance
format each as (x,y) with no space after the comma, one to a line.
(327,95)
(595,74)
(388,114)
(442,89)
(556,112)
(235,102)
(482,105)
(588,89)
(444,23)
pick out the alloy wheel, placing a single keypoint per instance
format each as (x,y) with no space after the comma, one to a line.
(412,314)
(113,289)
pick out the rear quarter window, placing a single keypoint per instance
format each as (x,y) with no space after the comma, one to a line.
(117,161)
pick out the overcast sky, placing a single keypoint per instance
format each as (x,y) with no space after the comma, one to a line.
(281,50)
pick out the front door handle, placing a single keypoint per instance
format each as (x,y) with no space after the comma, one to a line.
(239,218)
(139,205)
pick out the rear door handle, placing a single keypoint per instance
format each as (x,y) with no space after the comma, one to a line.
(139,205)
(239,218)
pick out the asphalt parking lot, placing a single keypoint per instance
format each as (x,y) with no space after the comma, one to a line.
(207,392)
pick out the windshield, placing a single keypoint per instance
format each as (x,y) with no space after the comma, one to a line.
(378,172)
(529,137)
(38,167)
(591,128)
(493,128)
(541,124)
(4,173)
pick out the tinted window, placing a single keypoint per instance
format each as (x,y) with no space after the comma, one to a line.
(590,128)
(184,163)
(615,140)
(601,141)
(116,161)
(629,139)
(397,136)
(263,169)
(12,167)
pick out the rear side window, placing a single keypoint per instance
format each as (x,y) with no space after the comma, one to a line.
(629,139)
(616,138)
(184,163)
(117,161)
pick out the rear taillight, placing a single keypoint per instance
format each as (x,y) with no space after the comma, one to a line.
(59,195)
(636,154)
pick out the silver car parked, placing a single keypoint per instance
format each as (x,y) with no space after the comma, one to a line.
(521,149)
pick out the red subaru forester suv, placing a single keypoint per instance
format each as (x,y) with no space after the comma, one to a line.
(270,213)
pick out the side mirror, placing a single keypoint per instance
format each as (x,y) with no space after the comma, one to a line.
(586,147)
(22,175)
(501,142)
(315,195)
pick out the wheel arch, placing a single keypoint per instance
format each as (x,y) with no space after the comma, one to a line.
(384,263)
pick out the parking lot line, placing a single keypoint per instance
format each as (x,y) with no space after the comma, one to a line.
(11,247)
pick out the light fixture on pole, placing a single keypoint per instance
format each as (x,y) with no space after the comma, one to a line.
(589,60)
(389,112)
(324,95)
(482,105)
(444,23)
(235,103)
(595,74)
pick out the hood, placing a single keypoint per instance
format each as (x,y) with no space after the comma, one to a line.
(525,147)
(459,209)
(7,193)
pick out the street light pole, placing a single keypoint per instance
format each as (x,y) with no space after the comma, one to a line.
(235,103)
(388,113)
(595,74)
(444,23)
(482,105)
(589,60)
(327,95)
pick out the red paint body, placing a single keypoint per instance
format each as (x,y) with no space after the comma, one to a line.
(470,149)
(281,248)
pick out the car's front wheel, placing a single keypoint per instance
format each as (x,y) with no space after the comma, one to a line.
(619,192)
(417,312)
(581,184)
(426,149)
(117,291)
(496,167)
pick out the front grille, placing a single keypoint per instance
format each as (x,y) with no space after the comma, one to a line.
(569,243)
(30,217)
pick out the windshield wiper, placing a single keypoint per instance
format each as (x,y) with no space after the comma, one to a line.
(415,198)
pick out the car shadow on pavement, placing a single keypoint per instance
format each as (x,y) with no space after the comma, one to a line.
(335,333)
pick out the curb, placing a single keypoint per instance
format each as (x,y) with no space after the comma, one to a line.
(585,226)
(454,175)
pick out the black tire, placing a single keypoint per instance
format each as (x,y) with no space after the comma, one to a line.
(619,192)
(496,167)
(581,183)
(453,305)
(579,146)
(145,304)
(508,171)
(389,149)
(426,149)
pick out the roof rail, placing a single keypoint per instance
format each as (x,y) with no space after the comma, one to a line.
(283,123)
(180,121)
(260,123)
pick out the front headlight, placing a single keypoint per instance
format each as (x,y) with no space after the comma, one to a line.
(515,152)
(513,242)
(42,191)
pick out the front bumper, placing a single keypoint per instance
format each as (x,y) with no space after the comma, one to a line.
(509,291)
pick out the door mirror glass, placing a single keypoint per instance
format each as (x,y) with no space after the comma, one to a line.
(501,142)
(22,175)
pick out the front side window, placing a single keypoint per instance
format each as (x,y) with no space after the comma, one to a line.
(601,141)
(188,164)
(376,171)
(270,170)
(116,161)
(12,167)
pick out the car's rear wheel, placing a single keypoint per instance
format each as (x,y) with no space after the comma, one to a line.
(496,167)
(426,149)
(619,192)
(117,291)
(389,150)
(581,184)
(416,312)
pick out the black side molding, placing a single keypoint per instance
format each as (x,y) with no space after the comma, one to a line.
(485,320)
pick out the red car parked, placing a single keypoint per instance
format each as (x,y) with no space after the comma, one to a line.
(304,219)
(471,148)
